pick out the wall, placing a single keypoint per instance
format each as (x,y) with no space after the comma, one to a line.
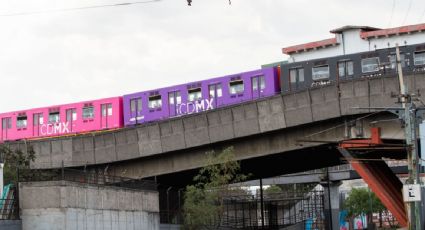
(10,225)
(65,205)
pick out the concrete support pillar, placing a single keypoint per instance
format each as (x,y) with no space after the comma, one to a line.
(331,203)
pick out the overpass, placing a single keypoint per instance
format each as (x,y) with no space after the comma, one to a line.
(266,130)
(283,134)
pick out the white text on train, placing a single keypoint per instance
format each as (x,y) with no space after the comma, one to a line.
(195,107)
(56,128)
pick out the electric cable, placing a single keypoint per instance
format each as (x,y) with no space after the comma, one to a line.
(77,8)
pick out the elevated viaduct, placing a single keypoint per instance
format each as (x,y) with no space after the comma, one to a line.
(283,134)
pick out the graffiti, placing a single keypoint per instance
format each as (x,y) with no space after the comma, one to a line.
(195,107)
(133,119)
(54,128)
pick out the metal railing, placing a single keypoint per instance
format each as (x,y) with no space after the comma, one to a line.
(84,177)
(9,209)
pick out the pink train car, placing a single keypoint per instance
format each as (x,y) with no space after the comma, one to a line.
(62,119)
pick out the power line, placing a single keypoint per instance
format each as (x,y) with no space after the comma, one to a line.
(408,11)
(77,8)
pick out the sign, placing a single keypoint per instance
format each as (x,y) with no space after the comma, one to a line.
(411,192)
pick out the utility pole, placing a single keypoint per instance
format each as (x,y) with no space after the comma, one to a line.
(410,128)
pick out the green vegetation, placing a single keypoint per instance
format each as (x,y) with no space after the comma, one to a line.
(363,201)
(13,160)
(204,201)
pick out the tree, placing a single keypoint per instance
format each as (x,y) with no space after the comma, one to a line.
(203,206)
(363,201)
(13,160)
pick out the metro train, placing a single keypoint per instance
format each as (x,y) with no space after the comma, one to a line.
(153,105)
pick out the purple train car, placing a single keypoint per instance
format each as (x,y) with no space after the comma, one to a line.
(199,96)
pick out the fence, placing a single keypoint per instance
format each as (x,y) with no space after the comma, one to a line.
(84,177)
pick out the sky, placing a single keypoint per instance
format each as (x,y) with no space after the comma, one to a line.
(63,56)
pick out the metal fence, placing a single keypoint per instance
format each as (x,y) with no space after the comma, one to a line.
(84,177)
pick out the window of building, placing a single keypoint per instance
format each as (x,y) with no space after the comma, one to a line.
(155,102)
(236,87)
(136,104)
(71,115)
(194,94)
(296,75)
(370,64)
(174,98)
(6,123)
(88,112)
(393,63)
(419,58)
(345,68)
(21,122)
(215,90)
(54,117)
(320,72)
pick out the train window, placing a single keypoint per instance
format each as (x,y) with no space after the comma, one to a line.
(21,122)
(296,75)
(345,68)
(370,64)
(88,112)
(174,97)
(215,90)
(6,123)
(194,94)
(54,117)
(393,64)
(106,109)
(256,80)
(71,115)
(320,72)
(136,104)
(38,119)
(155,102)
(236,87)
(420,58)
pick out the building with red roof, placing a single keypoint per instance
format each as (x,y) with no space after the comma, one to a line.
(355,39)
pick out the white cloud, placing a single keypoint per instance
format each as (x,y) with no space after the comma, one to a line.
(63,57)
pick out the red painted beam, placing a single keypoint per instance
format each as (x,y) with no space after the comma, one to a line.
(386,186)
(381,180)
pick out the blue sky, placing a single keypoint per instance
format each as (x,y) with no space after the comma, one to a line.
(62,57)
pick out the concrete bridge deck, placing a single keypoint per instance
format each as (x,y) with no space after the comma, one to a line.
(259,131)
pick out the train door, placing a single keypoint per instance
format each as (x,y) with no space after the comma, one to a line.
(37,121)
(296,78)
(6,124)
(215,93)
(258,85)
(174,101)
(136,110)
(71,117)
(106,113)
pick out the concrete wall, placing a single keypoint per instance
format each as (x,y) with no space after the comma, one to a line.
(10,224)
(66,205)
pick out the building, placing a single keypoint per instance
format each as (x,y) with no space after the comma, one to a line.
(355,39)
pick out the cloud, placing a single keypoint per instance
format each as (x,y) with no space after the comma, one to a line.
(63,57)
